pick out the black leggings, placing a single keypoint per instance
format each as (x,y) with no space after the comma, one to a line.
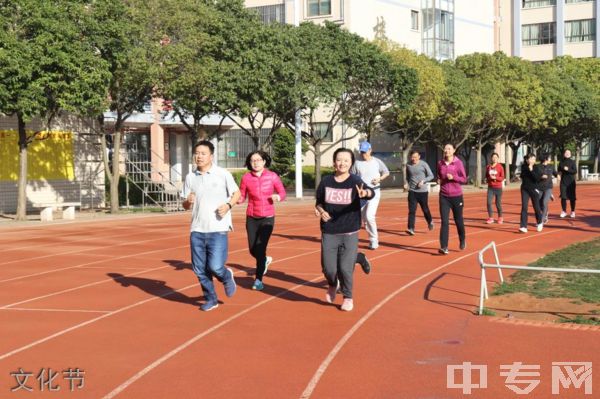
(259,232)
(526,195)
(456,205)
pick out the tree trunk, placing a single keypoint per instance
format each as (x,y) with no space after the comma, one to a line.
(597,155)
(478,166)
(317,164)
(404,162)
(507,157)
(116,173)
(22,182)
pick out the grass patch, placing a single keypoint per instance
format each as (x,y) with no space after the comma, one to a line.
(578,286)
(581,287)
(486,312)
(582,320)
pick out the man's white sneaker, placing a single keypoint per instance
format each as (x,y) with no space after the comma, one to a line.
(540,227)
(563,214)
(572,214)
(347,305)
(523,229)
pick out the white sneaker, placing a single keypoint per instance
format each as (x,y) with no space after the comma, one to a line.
(267,263)
(540,227)
(572,214)
(523,229)
(373,245)
(347,305)
(563,214)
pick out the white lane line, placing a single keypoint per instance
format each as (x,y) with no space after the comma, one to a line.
(58,310)
(120,310)
(198,337)
(340,344)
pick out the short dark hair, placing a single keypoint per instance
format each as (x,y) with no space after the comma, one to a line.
(496,154)
(546,156)
(413,152)
(336,152)
(266,157)
(529,155)
(205,143)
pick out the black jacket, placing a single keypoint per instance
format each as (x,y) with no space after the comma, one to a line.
(548,170)
(567,177)
(530,179)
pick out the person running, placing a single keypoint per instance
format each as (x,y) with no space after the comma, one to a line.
(531,175)
(263,188)
(210,192)
(418,174)
(567,169)
(338,203)
(451,175)
(545,186)
(372,171)
(494,174)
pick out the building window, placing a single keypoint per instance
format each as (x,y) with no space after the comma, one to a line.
(319,7)
(414,20)
(438,29)
(320,130)
(536,34)
(270,14)
(538,3)
(583,30)
(577,1)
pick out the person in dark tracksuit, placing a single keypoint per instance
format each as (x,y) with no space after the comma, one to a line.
(451,175)
(567,169)
(531,175)
(546,185)
(417,175)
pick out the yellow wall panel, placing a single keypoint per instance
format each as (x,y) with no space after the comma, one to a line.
(50,156)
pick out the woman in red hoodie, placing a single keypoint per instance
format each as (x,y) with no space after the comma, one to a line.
(263,188)
(494,173)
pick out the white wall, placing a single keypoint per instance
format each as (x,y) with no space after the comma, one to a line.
(473,26)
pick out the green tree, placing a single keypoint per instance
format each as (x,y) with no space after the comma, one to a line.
(46,66)
(410,124)
(123,36)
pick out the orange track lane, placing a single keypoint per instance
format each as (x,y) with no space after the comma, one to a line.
(117,299)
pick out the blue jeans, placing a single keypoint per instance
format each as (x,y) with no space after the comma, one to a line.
(209,253)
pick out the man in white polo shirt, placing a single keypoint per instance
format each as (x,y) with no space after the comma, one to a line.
(210,192)
(372,171)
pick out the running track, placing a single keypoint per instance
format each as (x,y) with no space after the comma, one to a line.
(117,299)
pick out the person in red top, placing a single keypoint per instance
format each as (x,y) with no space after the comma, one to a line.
(494,173)
(263,188)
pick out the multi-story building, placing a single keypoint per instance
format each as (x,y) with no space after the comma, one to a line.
(539,30)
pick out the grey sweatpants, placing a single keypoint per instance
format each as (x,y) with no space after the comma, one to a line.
(338,256)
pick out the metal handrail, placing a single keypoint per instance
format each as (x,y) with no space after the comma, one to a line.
(483,291)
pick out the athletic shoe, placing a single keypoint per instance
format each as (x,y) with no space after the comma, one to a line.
(463,245)
(500,220)
(563,214)
(410,232)
(523,229)
(267,263)
(208,306)
(373,245)
(551,197)
(490,220)
(330,295)
(347,305)
(573,214)
(362,260)
(430,226)
(540,227)
(258,285)
(443,251)
(230,286)
(545,221)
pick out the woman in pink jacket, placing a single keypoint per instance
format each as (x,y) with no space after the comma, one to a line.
(263,188)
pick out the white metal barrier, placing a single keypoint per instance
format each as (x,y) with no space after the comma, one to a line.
(483,292)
